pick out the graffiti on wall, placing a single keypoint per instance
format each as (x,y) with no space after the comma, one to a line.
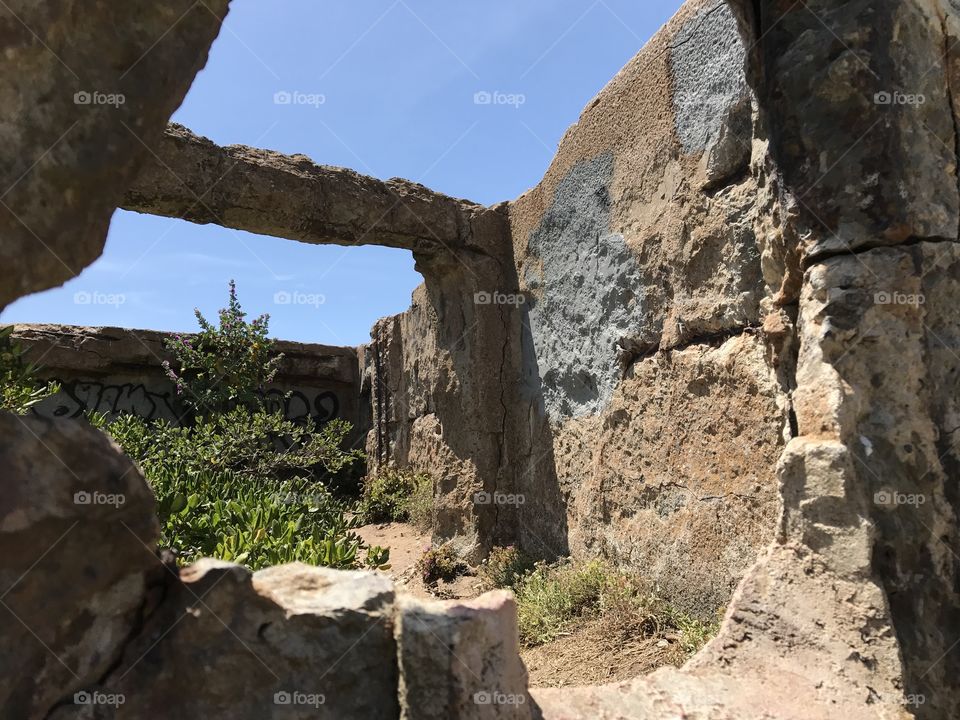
(299,404)
(76,397)
(158,400)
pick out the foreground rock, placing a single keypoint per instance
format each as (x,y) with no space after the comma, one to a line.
(799,641)
(77,533)
(461,661)
(86,93)
(288,642)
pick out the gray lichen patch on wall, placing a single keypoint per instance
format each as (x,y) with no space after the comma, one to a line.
(585,294)
(706,59)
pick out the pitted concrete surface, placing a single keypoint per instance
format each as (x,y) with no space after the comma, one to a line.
(586,294)
(706,59)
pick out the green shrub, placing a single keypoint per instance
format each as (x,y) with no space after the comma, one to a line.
(216,499)
(247,442)
(20,389)
(441,563)
(226,366)
(505,567)
(552,599)
(394,495)
(420,505)
(235,480)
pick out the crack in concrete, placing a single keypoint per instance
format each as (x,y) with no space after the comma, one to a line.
(827,255)
(715,339)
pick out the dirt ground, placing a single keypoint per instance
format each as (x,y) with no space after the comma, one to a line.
(596,652)
(406,545)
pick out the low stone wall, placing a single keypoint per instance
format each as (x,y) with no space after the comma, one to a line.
(114,370)
(100,626)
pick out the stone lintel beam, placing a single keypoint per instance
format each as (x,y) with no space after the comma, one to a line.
(290,196)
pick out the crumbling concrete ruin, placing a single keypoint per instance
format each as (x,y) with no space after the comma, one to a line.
(118,370)
(718,343)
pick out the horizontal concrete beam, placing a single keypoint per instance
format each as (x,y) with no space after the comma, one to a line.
(290,196)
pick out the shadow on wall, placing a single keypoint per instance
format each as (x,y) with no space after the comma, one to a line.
(542,527)
(583,305)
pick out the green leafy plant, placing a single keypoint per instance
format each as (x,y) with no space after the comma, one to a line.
(20,389)
(505,567)
(209,509)
(441,563)
(395,495)
(234,479)
(221,515)
(223,366)
(247,442)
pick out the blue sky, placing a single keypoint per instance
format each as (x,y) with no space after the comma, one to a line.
(393,86)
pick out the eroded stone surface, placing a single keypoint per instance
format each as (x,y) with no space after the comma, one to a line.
(293,641)
(77,532)
(894,453)
(584,299)
(442,378)
(674,480)
(860,97)
(706,59)
(85,94)
(460,660)
(640,252)
(269,193)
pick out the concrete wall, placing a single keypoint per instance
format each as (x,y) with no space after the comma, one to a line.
(643,406)
(655,410)
(115,369)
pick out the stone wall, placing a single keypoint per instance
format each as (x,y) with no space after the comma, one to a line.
(440,380)
(97,625)
(715,352)
(113,369)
